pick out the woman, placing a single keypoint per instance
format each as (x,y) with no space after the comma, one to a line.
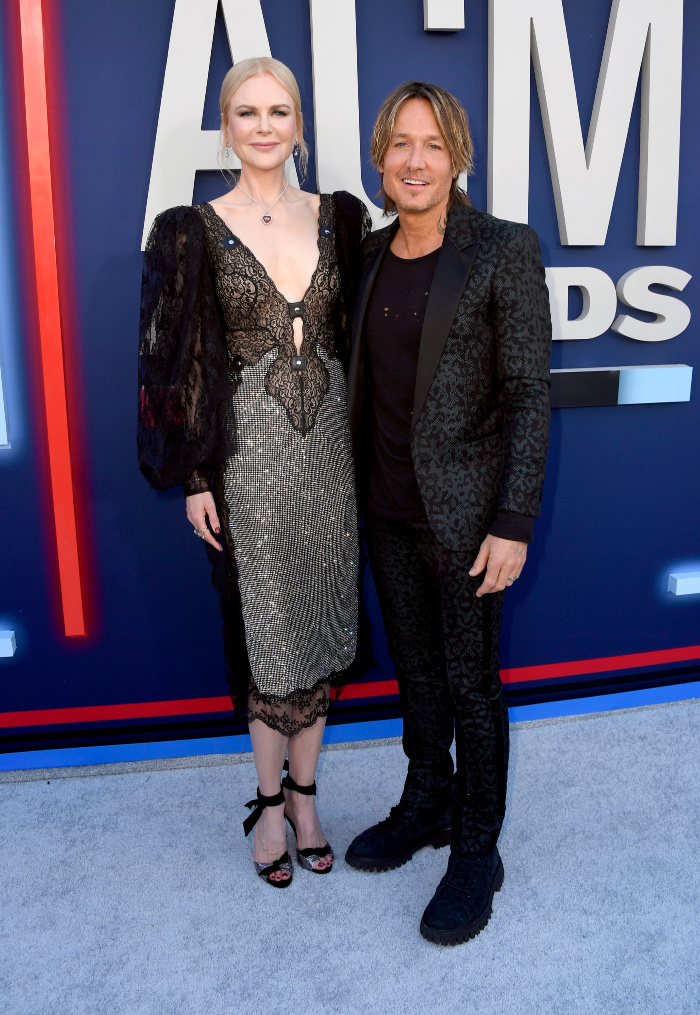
(245,334)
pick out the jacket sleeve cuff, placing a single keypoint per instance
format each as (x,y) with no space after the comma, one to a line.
(512,525)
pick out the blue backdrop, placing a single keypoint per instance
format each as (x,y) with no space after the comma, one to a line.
(622,486)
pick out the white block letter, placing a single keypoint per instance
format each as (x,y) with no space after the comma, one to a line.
(672,315)
(599,302)
(336,102)
(443,15)
(646,34)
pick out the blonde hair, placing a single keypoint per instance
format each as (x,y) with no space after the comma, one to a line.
(257,66)
(451,119)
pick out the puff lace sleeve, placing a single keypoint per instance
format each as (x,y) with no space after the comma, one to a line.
(353,224)
(183,373)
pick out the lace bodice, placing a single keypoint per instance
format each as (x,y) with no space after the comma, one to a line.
(258,319)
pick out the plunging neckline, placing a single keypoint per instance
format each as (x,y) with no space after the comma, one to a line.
(260,263)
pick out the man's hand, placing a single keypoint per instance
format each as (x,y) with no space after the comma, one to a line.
(503,559)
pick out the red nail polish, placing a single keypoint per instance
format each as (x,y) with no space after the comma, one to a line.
(217,531)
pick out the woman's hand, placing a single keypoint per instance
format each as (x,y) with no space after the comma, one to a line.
(200,506)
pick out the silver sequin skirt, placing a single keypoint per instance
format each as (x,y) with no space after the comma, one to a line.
(293,522)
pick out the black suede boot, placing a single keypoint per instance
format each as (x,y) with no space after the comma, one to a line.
(461,906)
(393,841)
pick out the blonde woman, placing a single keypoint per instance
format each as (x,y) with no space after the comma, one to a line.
(246,315)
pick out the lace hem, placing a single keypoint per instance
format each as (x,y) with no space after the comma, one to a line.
(299,711)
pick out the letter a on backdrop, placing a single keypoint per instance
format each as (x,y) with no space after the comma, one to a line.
(641,33)
(181,146)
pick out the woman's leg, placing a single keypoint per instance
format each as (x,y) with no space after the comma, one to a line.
(269,837)
(304,749)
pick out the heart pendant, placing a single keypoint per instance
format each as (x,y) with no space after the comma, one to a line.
(267,219)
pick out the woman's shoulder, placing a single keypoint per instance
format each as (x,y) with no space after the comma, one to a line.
(174,223)
(181,214)
(353,212)
(347,202)
(312,198)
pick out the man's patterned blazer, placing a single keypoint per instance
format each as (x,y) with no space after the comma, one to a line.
(480,420)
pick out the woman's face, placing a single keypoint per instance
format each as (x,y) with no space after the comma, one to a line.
(261,125)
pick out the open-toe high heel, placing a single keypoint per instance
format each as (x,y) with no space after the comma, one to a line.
(307,857)
(283,863)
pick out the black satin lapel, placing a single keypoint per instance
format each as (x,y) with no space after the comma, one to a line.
(450,278)
(356,368)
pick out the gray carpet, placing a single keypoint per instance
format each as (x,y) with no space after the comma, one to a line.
(134,894)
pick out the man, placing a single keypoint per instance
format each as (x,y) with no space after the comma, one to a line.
(448,398)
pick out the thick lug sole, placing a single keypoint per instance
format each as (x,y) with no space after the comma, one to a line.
(378,864)
(468,931)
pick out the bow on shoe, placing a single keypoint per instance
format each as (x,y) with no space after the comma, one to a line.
(260,803)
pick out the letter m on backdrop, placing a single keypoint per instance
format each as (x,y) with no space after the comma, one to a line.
(644,35)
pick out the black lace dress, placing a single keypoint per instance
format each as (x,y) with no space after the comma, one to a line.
(228,404)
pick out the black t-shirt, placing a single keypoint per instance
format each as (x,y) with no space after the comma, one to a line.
(393,325)
(392,332)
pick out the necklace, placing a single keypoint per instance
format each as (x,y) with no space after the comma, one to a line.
(267,218)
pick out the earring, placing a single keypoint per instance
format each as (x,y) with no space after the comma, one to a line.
(227,151)
(296,149)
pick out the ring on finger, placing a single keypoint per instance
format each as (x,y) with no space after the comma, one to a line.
(511,579)
(200,532)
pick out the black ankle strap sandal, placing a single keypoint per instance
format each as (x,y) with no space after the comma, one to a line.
(307,857)
(283,863)
(289,783)
(260,803)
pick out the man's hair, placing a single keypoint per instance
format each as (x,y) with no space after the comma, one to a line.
(451,119)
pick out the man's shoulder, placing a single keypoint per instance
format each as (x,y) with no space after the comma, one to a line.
(469,224)
(375,239)
(466,225)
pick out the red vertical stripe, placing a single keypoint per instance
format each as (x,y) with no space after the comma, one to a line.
(49,312)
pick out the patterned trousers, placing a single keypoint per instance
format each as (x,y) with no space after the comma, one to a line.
(444,645)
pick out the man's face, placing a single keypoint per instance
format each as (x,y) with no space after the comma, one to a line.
(417,166)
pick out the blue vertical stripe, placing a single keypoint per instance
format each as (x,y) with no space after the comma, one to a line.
(12,399)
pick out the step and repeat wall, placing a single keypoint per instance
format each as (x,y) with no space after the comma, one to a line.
(586,126)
